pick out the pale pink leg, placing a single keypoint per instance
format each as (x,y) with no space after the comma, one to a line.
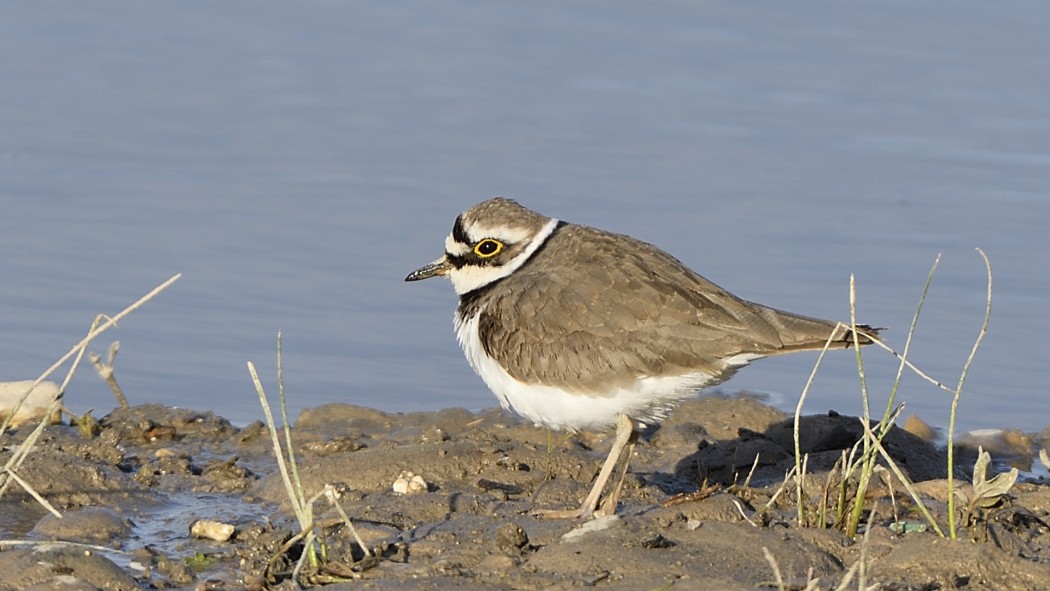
(625,438)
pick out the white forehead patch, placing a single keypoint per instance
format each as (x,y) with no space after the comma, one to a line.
(476,231)
(455,248)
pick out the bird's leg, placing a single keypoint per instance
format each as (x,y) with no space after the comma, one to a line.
(609,505)
(625,437)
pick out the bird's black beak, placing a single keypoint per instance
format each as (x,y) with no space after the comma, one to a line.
(438,267)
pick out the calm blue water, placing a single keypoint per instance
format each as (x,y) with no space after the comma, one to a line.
(296,161)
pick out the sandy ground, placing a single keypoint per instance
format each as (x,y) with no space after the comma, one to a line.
(132,490)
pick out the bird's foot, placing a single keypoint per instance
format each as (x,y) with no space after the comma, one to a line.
(581,513)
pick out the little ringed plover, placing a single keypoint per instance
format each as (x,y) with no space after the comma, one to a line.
(575,328)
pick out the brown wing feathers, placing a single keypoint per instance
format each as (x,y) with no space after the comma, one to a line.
(635,311)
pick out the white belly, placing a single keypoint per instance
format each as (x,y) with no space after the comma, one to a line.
(647,400)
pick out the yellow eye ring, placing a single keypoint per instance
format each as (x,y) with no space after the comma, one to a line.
(488,248)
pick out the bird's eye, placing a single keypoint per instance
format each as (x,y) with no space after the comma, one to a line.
(488,248)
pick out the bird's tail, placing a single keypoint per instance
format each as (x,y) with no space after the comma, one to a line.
(804,333)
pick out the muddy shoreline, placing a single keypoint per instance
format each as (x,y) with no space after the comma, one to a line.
(130,492)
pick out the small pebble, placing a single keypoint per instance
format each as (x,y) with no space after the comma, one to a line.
(212,530)
(511,534)
(920,428)
(408,483)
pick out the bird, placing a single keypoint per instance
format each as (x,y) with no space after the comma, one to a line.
(577,328)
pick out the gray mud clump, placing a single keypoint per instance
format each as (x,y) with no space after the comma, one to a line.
(131,491)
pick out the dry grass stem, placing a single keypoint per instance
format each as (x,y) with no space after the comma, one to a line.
(914,368)
(751,473)
(856,344)
(777,577)
(958,394)
(798,418)
(107,371)
(903,357)
(297,501)
(740,509)
(692,497)
(780,490)
(862,562)
(867,458)
(333,498)
(29,489)
(293,465)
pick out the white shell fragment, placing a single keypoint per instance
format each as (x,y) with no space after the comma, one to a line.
(408,483)
(211,530)
(35,405)
(588,527)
